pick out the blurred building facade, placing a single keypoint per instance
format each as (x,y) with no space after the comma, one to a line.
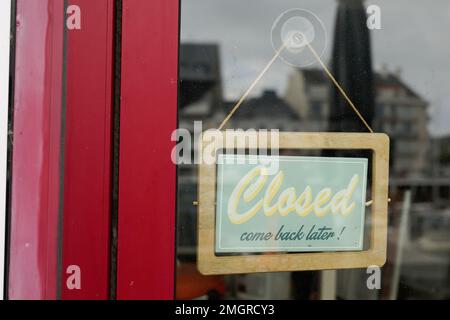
(399,111)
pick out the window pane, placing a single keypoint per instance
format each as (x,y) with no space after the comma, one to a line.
(393,72)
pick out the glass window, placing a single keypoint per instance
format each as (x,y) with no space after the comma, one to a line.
(226,44)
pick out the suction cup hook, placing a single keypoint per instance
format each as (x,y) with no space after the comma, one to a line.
(296,28)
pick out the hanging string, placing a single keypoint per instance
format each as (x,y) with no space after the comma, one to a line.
(271,62)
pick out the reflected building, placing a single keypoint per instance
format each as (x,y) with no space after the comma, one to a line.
(400,112)
(440,156)
(268,111)
(351,65)
(200,99)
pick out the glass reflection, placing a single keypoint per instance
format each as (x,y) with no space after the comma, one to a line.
(395,76)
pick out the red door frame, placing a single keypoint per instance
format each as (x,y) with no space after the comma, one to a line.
(36,150)
(147,176)
(87,150)
(61,165)
(60,190)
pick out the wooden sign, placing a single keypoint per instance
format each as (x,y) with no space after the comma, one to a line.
(5,34)
(287,213)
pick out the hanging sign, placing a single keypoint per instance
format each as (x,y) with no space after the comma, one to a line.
(260,213)
(306,204)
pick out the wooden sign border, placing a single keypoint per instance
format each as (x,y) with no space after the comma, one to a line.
(210,264)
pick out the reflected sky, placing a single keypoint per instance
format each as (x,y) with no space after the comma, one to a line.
(413,38)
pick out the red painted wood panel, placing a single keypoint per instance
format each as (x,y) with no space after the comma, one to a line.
(87,165)
(147,177)
(36,150)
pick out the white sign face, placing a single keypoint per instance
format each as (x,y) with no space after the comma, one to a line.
(310,204)
(5,31)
